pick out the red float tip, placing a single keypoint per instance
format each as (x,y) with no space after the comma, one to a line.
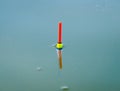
(60,32)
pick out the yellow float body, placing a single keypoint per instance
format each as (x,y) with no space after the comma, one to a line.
(59,46)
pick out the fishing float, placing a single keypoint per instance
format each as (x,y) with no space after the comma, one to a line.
(59,46)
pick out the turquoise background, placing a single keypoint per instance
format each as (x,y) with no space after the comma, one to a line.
(91,35)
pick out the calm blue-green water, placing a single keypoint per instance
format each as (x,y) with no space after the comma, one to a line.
(91,35)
